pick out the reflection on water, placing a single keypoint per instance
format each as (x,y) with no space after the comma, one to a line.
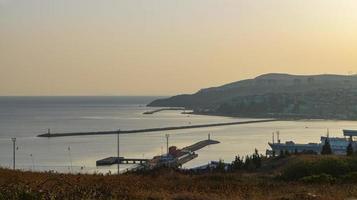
(24,118)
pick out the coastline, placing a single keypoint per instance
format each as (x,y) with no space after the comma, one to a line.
(277,117)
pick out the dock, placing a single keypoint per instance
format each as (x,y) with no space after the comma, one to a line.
(200,145)
(183,156)
(162,109)
(120,160)
(153,129)
(185,159)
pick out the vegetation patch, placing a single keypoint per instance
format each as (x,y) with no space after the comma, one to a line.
(306,177)
(334,166)
(321,178)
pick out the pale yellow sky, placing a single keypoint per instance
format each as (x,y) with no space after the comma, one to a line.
(165,47)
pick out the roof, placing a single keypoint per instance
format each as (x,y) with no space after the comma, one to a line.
(350,132)
(293,145)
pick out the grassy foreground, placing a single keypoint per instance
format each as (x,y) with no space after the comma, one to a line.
(284,179)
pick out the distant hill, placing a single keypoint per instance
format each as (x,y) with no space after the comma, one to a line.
(275,95)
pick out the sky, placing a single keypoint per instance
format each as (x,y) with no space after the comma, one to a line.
(167,47)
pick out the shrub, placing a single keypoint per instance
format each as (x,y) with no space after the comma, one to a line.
(297,170)
(350,177)
(257,159)
(238,163)
(349,150)
(333,166)
(321,178)
(220,166)
(326,148)
(250,163)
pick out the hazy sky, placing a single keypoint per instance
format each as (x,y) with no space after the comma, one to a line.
(163,47)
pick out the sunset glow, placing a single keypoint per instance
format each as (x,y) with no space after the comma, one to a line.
(89,47)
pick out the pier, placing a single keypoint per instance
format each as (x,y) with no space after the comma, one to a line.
(153,129)
(120,160)
(185,159)
(200,145)
(161,109)
(180,157)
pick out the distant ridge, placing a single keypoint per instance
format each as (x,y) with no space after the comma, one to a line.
(327,96)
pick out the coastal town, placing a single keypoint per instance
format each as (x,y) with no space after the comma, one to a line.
(178,100)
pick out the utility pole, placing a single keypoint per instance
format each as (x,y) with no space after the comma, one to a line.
(167,150)
(167,143)
(13,155)
(118,150)
(328,133)
(70,158)
(33,162)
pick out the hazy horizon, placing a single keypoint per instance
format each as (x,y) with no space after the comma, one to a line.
(153,95)
(163,48)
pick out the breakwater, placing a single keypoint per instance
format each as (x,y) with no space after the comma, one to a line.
(152,129)
(160,110)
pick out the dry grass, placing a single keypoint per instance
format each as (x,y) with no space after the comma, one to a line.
(165,184)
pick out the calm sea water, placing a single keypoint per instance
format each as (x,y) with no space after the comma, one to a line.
(25,117)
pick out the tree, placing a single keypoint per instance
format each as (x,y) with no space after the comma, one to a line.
(257,160)
(220,166)
(326,148)
(237,163)
(349,150)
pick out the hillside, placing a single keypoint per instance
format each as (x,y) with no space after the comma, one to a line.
(275,95)
(290,178)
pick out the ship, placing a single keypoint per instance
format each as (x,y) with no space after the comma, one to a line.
(338,145)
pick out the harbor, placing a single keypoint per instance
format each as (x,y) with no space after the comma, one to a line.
(79,154)
(173,158)
(178,100)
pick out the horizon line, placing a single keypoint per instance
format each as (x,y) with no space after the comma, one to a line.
(85,95)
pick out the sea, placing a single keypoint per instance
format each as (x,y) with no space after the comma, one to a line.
(24,118)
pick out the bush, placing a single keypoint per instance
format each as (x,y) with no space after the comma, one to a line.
(350,177)
(250,163)
(332,166)
(321,178)
(349,150)
(220,166)
(238,163)
(297,170)
(326,148)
